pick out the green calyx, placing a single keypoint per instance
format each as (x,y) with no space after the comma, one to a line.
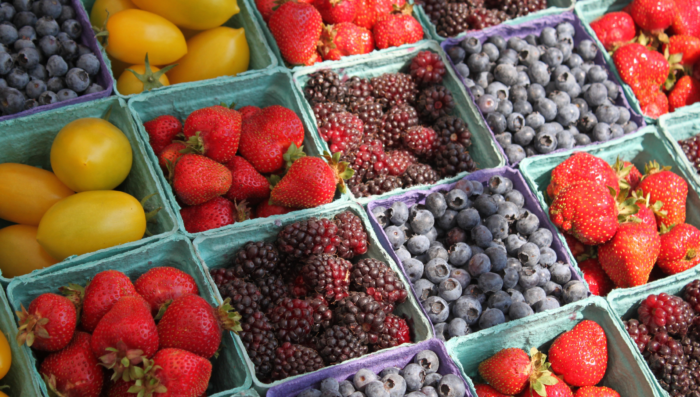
(75,293)
(653,167)
(229,319)
(124,362)
(293,154)
(655,208)
(663,229)
(51,385)
(195,144)
(540,374)
(150,79)
(342,169)
(30,326)
(622,172)
(147,384)
(242,211)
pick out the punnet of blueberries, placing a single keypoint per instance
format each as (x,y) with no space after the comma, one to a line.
(417,379)
(41,60)
(542,93)
(477,257)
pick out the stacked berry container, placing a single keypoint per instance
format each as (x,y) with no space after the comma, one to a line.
(523,121)
(680,127)
(229,374)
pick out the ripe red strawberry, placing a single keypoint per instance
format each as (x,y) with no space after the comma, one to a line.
(653,15)
(169,156)
(248,184)
(614,29)
(126,331)
(198,179)
(628,175)
(393,30)
(175,372)
(582,166)
(313,59)
(630,256)
(161,131)
(687,45)
(680,248)
(577,248)
(483,390)
(647,213)
(266,8)
(120,389)
(214,131)
(311,181)
(265,209)
(685,92)
(369,11)
(73,371)
(344,39)
(161,285)
(268,135)
(191,323)
(587,211)
(654,104)
(687,20)
(580,356)
(596,391)
(215,213)
(248,111)
(559,389)
(336,11)
(103,291)
(667,187)
(644,70)
(49,323)
(507,371)
(598,281)
(296,27)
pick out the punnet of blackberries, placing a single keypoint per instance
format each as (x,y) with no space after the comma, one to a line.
(477,257)
(419,378)
(41,58)
(312,298)
(542,93)
(396,130)
(691,149)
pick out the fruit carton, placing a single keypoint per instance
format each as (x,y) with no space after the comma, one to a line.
(375,362)
(419,196)
(535,26)
(640,148)
(229,374)
(261,55)
(626,373)
(28,141)
(681,125)
(484,150)
(218,250)
(264,88)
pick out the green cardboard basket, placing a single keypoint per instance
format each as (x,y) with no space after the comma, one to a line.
(682,124)
(28,141)
(484,150)
(229,374)
(626,373)
(217,251)
(261,55)
(264,88)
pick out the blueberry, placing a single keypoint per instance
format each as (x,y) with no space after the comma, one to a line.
(56,66)
(35,88)
(596,94)
(516,43)
(492,51)
(346,388)
(601,132)
(385,372)
(630,126)
(89,63)
(471,45)
(478,62)
(490,282)
(7,11)
(28,58)
(607,114)
(447,221)
(438,252)
(519,310)
(380,214)
(457,199)
(24,18)
(479,264)
(66,94)
(482,236)
(498,90)
(38,72)
(535,92)
(504,139)
(498,258)
(560,273)
(509,211)
(450,289)
(529,55)
(474,291)
(515,122)
(440,334)
(527,224)
(418,245)
(362,378)
(522,106)
(539,73)
(8,34)
(468,308)
(67,12)
(77,79)
(588,122)
(422,222)
(547,108)
(624,115)
(513,263)
(47,98)
(27,33)
(68,49)
(73,28)
(498,41)
(395,385)
(17,78)
(23,43)
(528,278)
(414,375)
(553,57)
(463,70)
(552,288)
(498,199)
(468,218)
(437,270)
(456,54)
(597,74)
(485,205)
(544,275)
(506,74)
(568,115)
(515,153)
(11,101)
(490,318)
(548,36)
(424,289)
(581,104)
(500,300)
(457,327)
(310,393)
(497,122)
(461,275)
(574,291)
(428,360)
(451,386)
(510,278)
(545,142)
(329,385)
(546,304)
(513,243)
(547,256)
(395,236)
(516,198)
(30,104)
(376,389)
(460,254)
(529,254)
(534,295)
(613,89)
(483,79)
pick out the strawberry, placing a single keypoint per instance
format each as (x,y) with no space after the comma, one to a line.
(558,389)
(49,323)
(265,209)
(688,46)
(577,248)
(483,390)
(685,92)
(161,285)
(215,213)
(587,211)
(336,11)
(628,175)
(614,29)
(296,27)
(103,291)
(266,8)
(598,281)
(73,371)
(248,111)
(580,356)
(161,132)
(174,373)
(282,124)
(248,184)
(508,371)
(680,245)
(198,179)
(120,389)
(214,131)
(582,166)
(368,11)
(647,212)
(170,154)
(653,15)
(311,181)
(654,104)
(630,256)
(596,391)
(665,186)
(124,336)
(344,39)
(393,30)
(644,70)
(191,323)
(687,20)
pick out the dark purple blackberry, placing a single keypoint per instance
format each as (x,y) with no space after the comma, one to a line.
(454,20)
(397,120)
(222,276)
(311,236)
(691,294)
(327,275)
(378,280)
(369,160)
(363,315)
(272,289)
(434,9)
(391,89)
(427,68)
(398,161)
(639,333)
(323,315)
(292,320)
(419,174)
(292,360)
(371,114)
(667,360)
(358,91)
(356,179)
(379,185)
(353,237)
(244,295)
(323,110)
(396,332)
(324,86)
(256,260)
(337,344)
(515,8)
(343,131)
(665,312)
(482,18)
(452,159)
(451,129)
(260,343)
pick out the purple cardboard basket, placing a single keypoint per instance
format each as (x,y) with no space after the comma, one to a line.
(418,197)
(375,362)
(535,27)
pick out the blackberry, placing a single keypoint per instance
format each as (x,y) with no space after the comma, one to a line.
(260,343)
(396,332)
(311,236)
(391,89)
(427,68)
(639,333)
(371,114)
(272,289)
(691,294)
(256,260)
(338,344)
(292,319)
(397,120)
(363,315)
(358,91)
(356,178)
(434,9)
(245,296)
(517,8)
(482,18)
(378,280)
(454,21)
(667,361)
(324,86)
(328,275)
(369,160)
(342,131)
(398,161)
(434,102)
(292,360)
(379,185)
(419,174)
(222,276)
(452,159)
(323,110)
(451,129)
(353,237)
(665,312)
(421,141)
(323,315)
(691,148)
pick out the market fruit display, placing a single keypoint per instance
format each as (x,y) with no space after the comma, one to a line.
(545,93)
(476,257)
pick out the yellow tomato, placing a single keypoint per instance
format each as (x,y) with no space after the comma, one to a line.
(128,84)
(5,356)
(20,253)
(192,14)
(27,192)
(102,8)
(189,33)
(91,154)
(217,52)
(134,33)
(90,221)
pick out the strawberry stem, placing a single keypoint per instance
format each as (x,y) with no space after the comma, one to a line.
(229,319)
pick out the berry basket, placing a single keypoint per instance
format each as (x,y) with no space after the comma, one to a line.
(32,146)
(484,150)
(399,357)
(229,374)
(265,88)
(218,251)
(626,373)
(535,26)
(681,125)
(261,55)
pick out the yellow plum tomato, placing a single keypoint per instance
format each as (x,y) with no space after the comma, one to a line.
(191,14)
(20,254)
(128,83)
(102,8)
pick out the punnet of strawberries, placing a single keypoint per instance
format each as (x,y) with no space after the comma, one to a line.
(655,45)
(625,228)
(152,337)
